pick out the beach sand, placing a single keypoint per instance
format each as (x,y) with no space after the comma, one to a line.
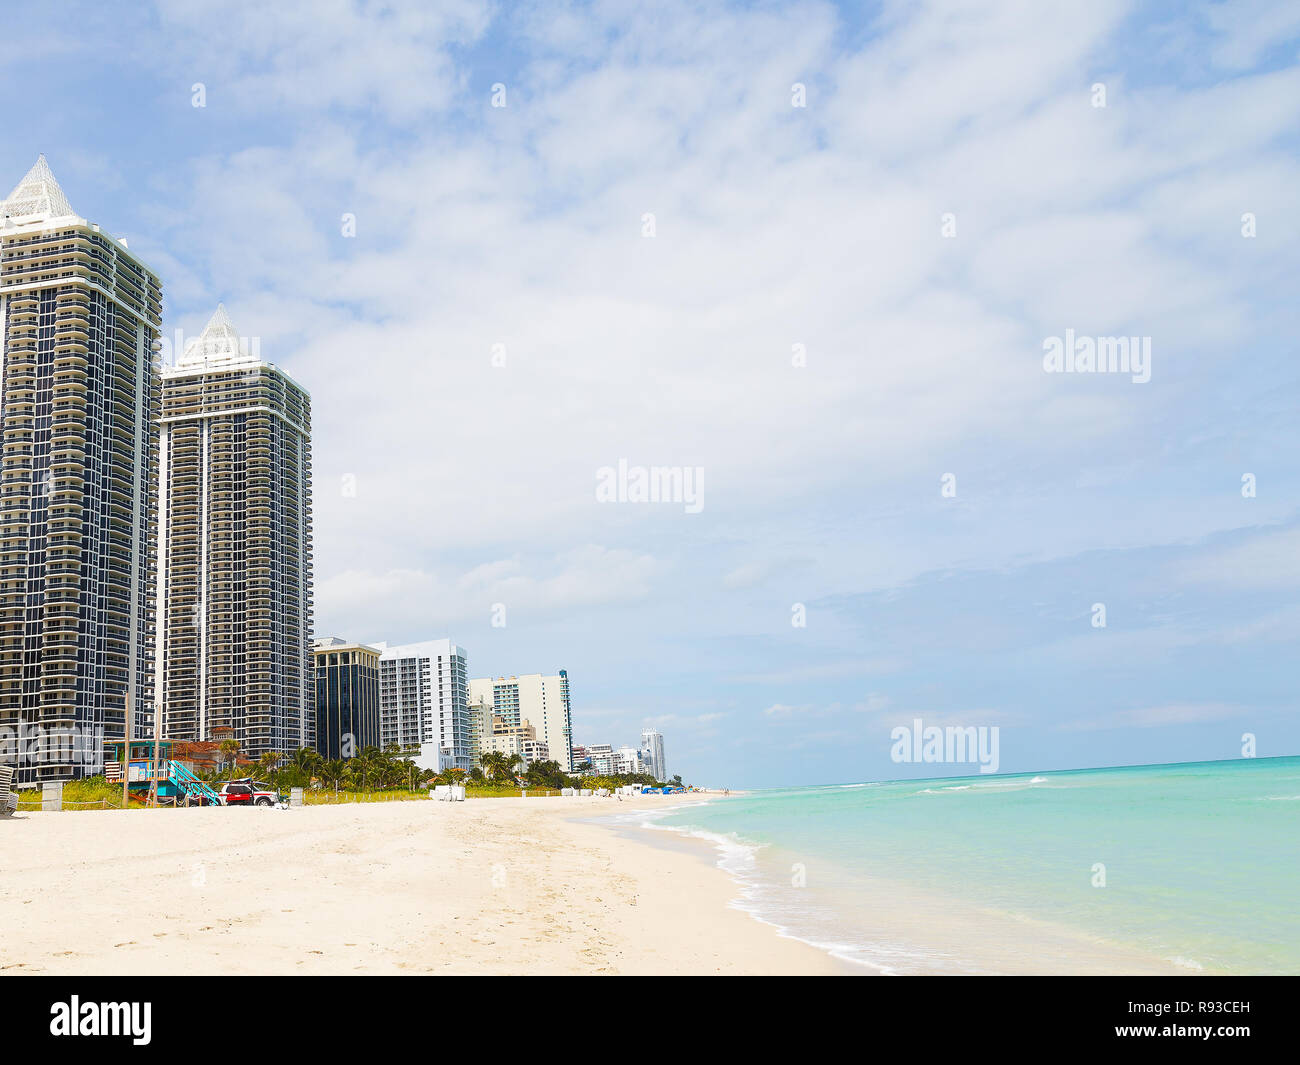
(483,886)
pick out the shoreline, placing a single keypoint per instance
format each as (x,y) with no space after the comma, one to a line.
(484,886)
(914,932)
(710,852)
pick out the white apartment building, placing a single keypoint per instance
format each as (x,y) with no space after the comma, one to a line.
(601,757)
(628,760)
(424,703)
(541,700)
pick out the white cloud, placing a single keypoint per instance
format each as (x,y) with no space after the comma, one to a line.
(784,710)
(676,350)
(309,55)
(373,604)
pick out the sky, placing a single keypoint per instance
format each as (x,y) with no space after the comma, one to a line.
(810,256)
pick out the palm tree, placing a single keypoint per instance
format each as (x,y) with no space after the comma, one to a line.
(496,766)
(547,774)
(229,751)
(368,768)
(333,772)
(307,761)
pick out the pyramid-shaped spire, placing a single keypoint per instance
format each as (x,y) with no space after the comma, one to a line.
(219,342)
(37,196)
(220,333)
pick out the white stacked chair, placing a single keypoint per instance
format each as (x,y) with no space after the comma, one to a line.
(8,800)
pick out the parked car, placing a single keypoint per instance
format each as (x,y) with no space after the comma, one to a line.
(248,792)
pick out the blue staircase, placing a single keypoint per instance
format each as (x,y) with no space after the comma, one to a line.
(193,787)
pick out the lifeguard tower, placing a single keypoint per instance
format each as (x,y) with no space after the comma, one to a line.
(177,784)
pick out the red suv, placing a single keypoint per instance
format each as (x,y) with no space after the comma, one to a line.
(248,793)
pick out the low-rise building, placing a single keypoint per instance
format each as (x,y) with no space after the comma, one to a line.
(520,739)
(628,760)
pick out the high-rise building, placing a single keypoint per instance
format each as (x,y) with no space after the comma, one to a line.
(347,697)
(480,729)
(652,752)
(234,543)
(79,320)
(542,700)
(424,702)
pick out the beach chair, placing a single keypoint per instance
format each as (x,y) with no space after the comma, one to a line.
(8,800)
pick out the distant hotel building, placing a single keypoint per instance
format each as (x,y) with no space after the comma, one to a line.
(424,703)
(518,739)
(628,761)
(234,539)
(606,761)
(543,701)
(347,697)
(480,728)
(79,324)
(652,753)
(601,757)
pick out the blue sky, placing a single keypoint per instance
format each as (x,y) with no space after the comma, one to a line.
(775,226)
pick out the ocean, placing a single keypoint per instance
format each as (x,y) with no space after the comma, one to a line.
(1192,867)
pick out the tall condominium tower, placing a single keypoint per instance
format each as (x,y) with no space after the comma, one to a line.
(424,702)
(79,320)
(234,538)
(541,701)
(652,750)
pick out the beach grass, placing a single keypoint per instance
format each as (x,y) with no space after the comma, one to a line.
(332,798)
(95,793)
(477,791)
(92,793)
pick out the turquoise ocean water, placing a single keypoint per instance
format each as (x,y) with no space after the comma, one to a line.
(1201,863)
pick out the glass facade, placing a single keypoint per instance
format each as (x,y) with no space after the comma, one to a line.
(347,701)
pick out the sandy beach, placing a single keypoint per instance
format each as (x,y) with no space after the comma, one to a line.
(484,886)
